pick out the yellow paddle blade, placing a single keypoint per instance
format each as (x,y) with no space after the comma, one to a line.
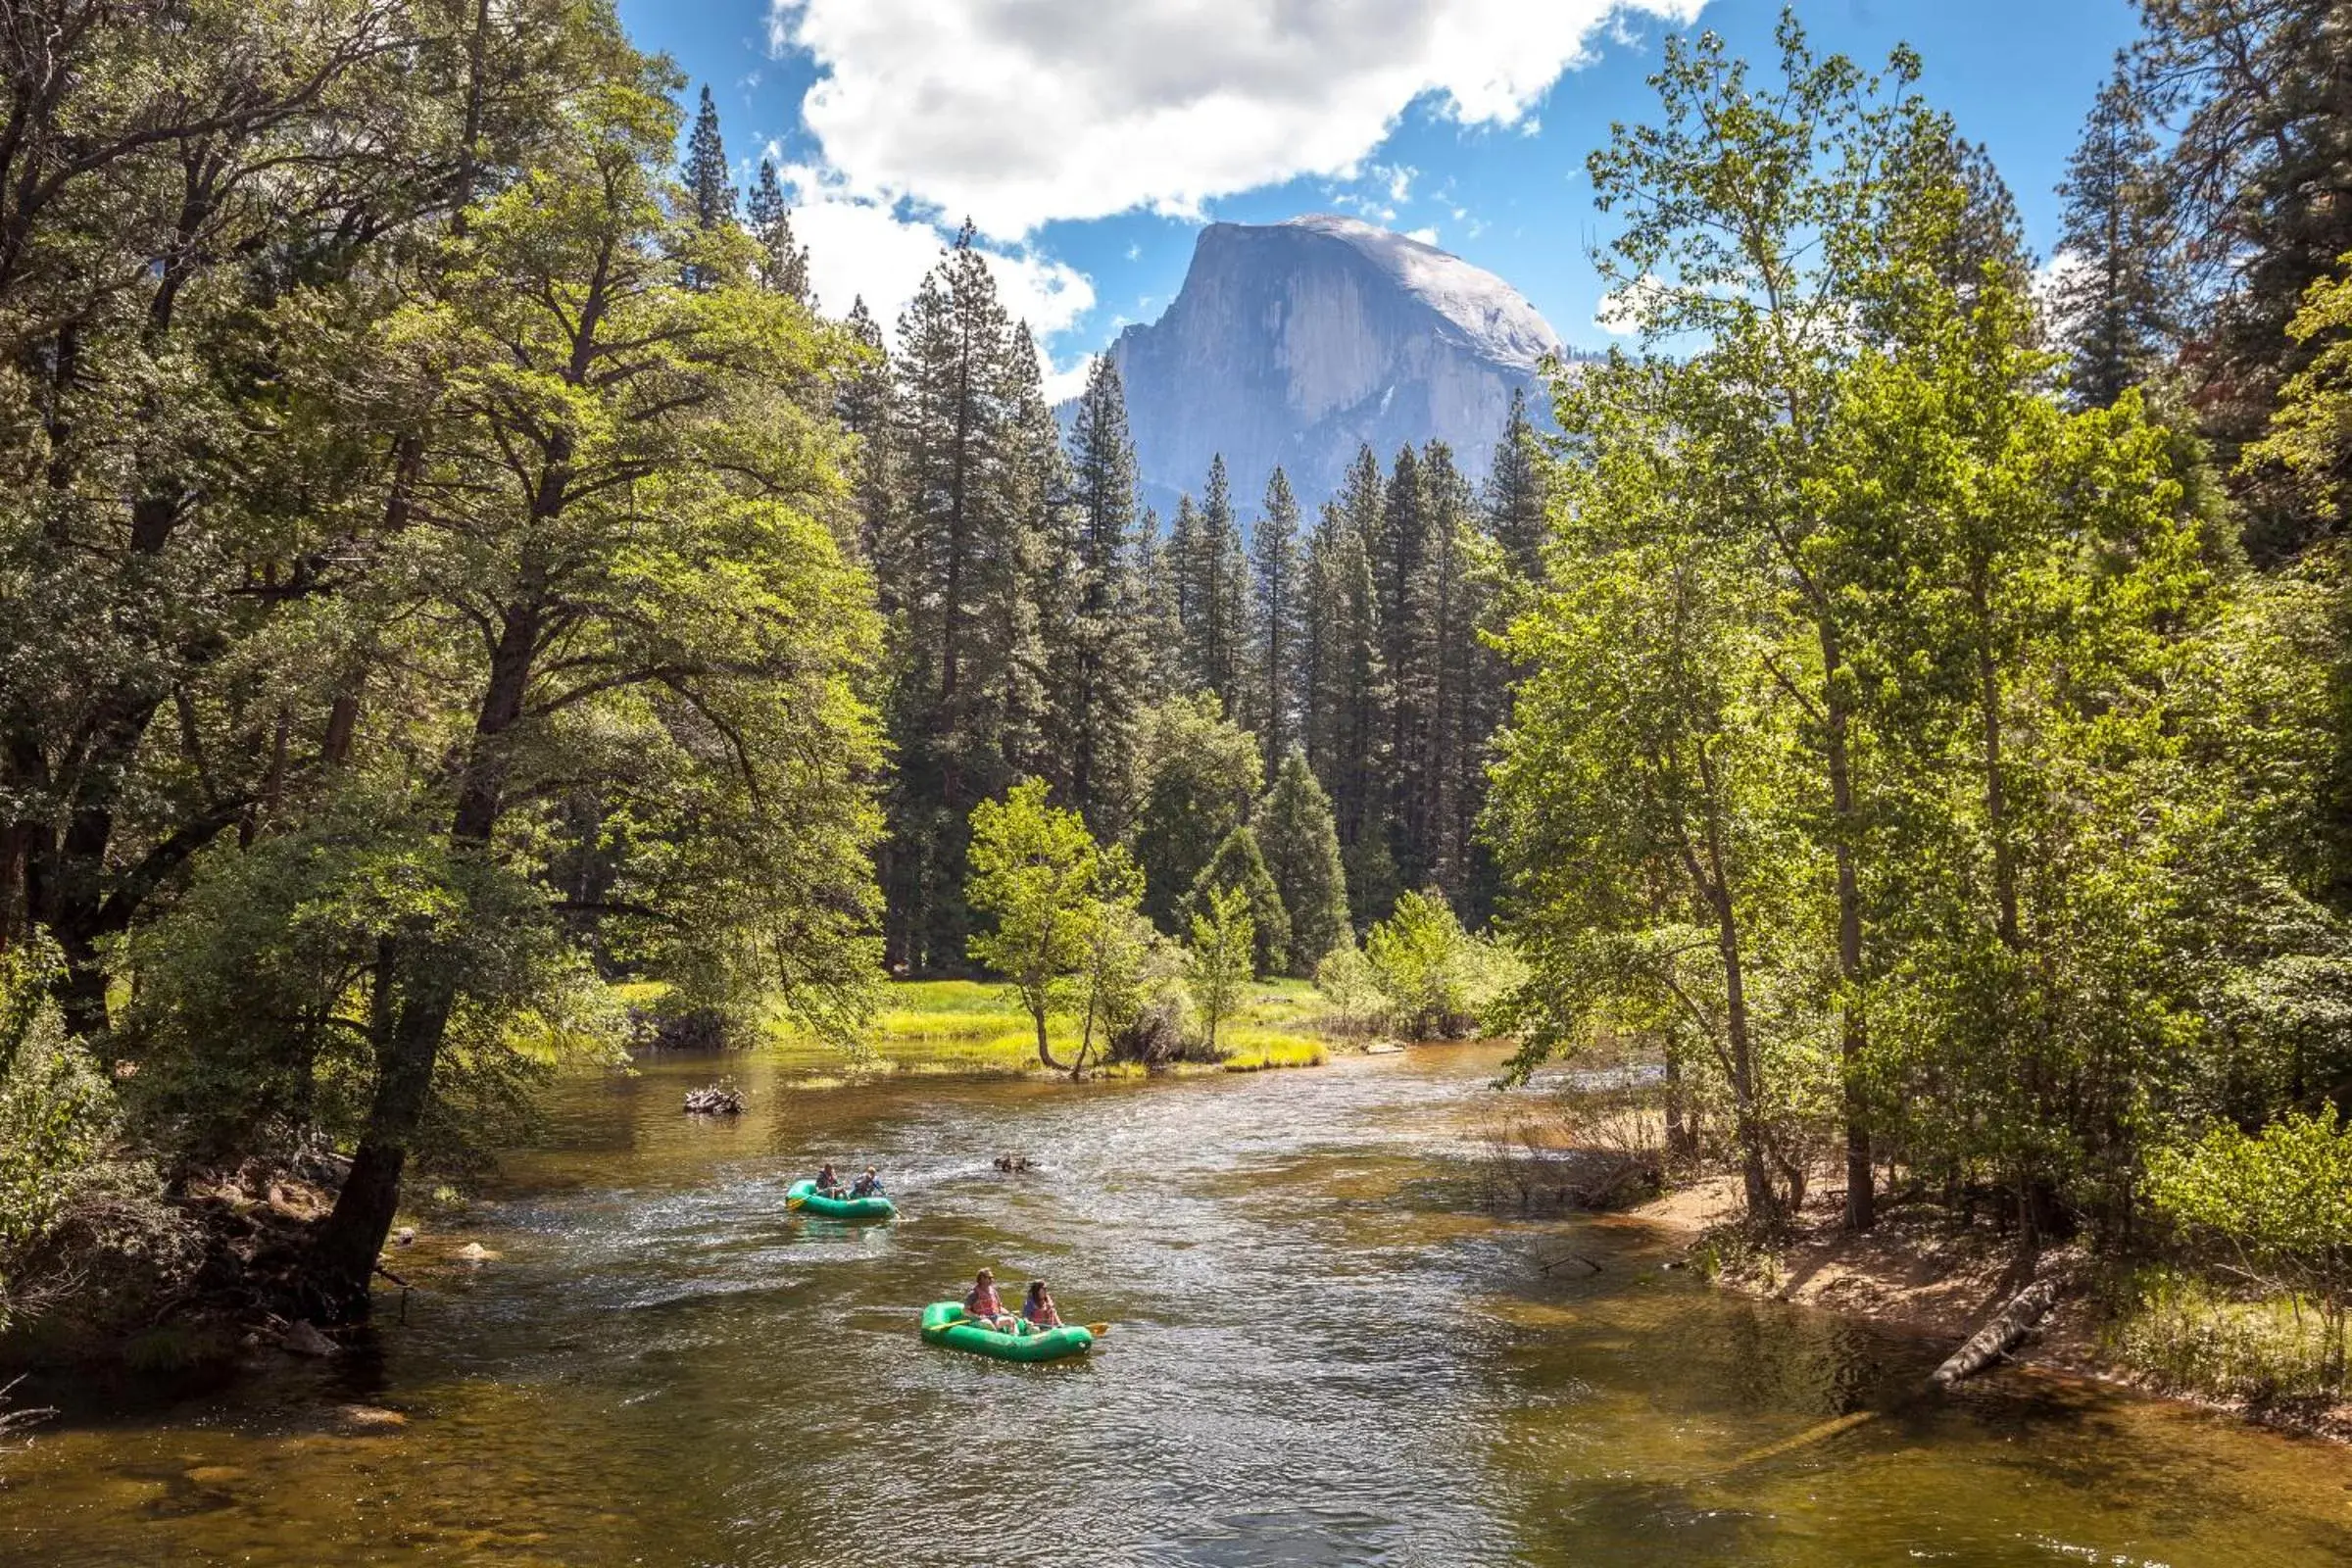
(1097,1330)
(796,1202)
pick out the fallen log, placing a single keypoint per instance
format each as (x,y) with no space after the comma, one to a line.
(722,1099)
(1999,1336)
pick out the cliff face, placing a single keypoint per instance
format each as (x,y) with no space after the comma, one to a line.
(1294,343)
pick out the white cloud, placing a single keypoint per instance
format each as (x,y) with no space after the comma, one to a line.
(2054,280)
(1427,236)
(1397,177)
(1021,111)
(1621,309)
(859,246)
(1065,384)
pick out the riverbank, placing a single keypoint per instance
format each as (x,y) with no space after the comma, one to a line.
(1916,1272)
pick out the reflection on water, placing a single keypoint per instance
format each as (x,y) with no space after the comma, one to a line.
(1322,1355)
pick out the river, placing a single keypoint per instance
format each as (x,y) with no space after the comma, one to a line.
(1324,1351)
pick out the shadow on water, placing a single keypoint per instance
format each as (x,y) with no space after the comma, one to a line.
(1324,1353)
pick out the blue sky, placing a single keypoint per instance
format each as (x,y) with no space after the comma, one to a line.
(1091,138)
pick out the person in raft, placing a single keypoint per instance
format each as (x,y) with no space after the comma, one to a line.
(1038,1311)
(828,1185)
(982,1306)
(868,1185)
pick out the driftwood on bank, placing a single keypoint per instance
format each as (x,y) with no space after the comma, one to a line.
(1999,1336)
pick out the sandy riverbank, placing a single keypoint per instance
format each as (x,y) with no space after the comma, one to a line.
(1913,1272)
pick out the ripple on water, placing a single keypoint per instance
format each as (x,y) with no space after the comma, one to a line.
(1324,1354)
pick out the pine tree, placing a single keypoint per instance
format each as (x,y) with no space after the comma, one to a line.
(1217,596)
(864,410)
(1301,846)
(1161,621)
(1040,498)
(1099,663)
(2115,292)
(1514,499)
(1989,232)
(1404,548)
(1240,867)
(1444,785)
(956,564)
(2257,186)
(1180,561)
(1274,566)
(708,187)
(783,262)
(1348,695)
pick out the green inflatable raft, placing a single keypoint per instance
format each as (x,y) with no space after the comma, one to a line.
(943,1323)
(876,1207)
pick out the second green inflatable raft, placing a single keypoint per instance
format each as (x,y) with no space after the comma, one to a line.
(840,1207)
(943,1323)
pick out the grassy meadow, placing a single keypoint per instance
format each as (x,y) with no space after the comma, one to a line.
(974,1026)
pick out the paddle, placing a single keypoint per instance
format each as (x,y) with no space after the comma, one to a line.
(1097,1330)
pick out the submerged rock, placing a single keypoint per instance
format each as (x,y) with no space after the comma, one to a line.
(370,1418)
(304,1338)
(722,1099)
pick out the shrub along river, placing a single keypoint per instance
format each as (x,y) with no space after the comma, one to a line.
(1325,1352)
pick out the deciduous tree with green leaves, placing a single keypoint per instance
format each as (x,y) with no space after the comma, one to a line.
(1218,961)
(1036,872)
(618,570)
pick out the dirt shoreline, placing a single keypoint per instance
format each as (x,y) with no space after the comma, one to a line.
(1913,1273)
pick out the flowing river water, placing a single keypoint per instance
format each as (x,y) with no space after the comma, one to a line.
(1326,1351)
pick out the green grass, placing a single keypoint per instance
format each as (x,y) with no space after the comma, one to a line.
(972,1026)
(2186,1335)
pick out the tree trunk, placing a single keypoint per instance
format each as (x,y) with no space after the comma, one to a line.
(2012,1323)
(1044,1051)
(343,1255)
(1756,1176)
(1682,1134)
(1861,1212)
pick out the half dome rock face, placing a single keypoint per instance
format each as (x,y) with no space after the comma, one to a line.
(1296,343)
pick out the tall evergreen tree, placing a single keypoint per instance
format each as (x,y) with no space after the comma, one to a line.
(864,410)
(1159,615)
(709,194)
(1099,663)
(2258,198)
(1300,842)
(707,185)
(2115,292)
(1037,482)
(1216,576)
(783,261)
(1181,560)
(1240,867)
(1444,787)
(955,564)
(1404,547)
(1349,695)
(1514,498)
(1274,564)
